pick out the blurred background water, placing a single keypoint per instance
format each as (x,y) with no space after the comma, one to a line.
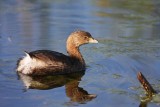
(128,32)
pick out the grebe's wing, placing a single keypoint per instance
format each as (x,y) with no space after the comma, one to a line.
(50,57)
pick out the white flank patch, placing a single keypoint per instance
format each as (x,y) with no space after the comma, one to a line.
(28,64)
(25,65)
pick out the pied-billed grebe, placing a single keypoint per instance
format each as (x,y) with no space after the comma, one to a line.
(44,62)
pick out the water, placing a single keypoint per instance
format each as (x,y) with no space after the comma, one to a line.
(129,41)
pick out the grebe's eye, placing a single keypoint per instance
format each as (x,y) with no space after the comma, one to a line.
(85,37)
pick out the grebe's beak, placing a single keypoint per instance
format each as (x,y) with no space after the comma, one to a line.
(92,40)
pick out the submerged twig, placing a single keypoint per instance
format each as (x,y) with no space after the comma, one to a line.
(143,104)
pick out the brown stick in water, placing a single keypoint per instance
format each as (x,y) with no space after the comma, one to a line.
(146,85)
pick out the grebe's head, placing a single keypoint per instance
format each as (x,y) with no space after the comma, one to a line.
(79,38)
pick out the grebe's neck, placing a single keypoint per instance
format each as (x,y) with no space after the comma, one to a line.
(75,53)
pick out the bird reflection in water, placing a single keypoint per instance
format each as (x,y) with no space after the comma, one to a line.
(70,81)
